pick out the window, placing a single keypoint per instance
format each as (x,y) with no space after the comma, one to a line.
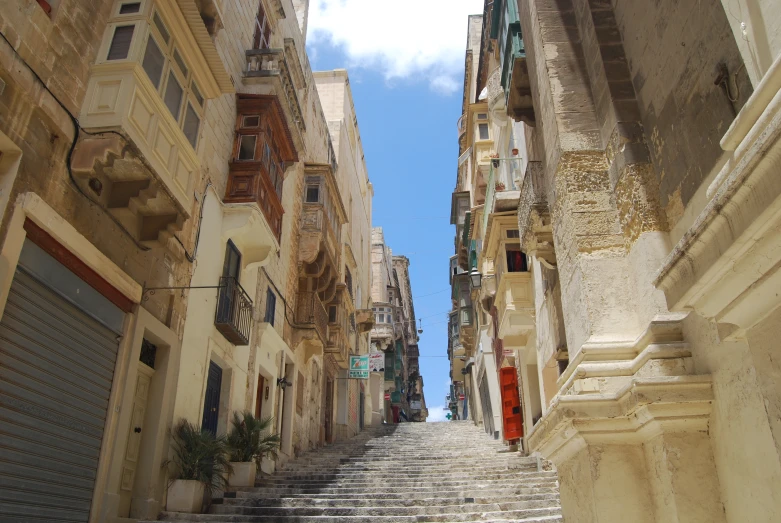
(482,116)
(130,8)
(516,261)
(120,43)
(153,62)
(251,121)
(332,314)
(348,280)
(262,37)
(312,194)
(271,305)
(247,147)
(167,70)
(514,233)
(483,130)
(231,267)
(173,96)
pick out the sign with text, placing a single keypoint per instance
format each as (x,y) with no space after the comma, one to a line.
(415,405)
(377,362)
(359,367)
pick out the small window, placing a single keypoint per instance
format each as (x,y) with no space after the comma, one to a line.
(148,353)
(231,267)
(192,124)
(482,116)
(161,27)
(120,43)
(173,95)
(153,62)
(313,194)
(247,147)
(516,261)
(332,314)
(129,9)
(266,155)
(180,62)
(483,127)
(514,233)
(250,121)
(271,306)
(197,94)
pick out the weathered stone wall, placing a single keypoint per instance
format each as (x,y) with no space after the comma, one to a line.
(60,50)
(673,51)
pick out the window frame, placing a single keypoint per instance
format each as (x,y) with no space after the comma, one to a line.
(261,36)
(271,307)
(145,27)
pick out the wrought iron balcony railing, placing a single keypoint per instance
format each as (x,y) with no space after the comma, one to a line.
(233,317)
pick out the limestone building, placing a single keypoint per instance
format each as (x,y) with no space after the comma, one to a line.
(641,319)
(400,387)
(185,234)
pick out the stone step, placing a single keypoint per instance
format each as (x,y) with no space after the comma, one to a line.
(542,516)
(346,510)
(374,502)
(391,493)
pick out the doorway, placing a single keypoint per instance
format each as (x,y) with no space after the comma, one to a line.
(262,394)
(329,410)
(211,400)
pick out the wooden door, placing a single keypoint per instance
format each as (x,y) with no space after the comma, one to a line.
(211,400)
(135,433)
(511,404)
(329,410)
(259,399)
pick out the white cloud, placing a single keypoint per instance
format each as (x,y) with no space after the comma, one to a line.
(437,414)
(402,39)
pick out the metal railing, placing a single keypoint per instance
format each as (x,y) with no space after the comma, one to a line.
(233,317)
(311,311)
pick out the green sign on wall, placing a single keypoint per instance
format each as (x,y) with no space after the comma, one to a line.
(359,367)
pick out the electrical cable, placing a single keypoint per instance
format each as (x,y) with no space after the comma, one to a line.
(77,131)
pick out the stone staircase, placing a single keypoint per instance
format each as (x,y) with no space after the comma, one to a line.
(437,472)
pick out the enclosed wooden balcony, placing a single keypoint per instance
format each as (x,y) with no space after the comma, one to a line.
(262,152)
(278,72)
(339,311)
(311,311)
(515,78)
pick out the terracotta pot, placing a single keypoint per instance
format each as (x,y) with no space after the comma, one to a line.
(185,496)
(244,473)
(515,152)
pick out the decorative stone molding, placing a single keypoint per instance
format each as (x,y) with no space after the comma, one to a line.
(726,267)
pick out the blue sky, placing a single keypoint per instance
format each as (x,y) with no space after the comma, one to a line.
(408,102)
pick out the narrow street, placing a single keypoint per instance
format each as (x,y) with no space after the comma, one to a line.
(408,472)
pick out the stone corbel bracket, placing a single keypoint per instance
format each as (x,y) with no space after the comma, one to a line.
(643,409)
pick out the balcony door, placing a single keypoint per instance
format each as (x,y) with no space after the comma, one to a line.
(231,269)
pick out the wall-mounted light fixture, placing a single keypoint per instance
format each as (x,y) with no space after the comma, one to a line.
(476,278)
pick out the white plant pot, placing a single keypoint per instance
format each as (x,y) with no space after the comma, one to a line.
(185,496)
(243,474)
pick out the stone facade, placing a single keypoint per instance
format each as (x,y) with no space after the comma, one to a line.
(395,336)
(164,154)
(647,224)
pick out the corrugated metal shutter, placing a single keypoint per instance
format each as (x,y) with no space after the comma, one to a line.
(56,369)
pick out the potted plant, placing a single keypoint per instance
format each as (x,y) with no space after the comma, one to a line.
(248,441)
(199,461)
(499,186)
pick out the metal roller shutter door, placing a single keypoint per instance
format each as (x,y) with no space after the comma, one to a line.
(56,369)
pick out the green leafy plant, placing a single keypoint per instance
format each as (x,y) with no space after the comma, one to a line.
(199,455)
(250,438)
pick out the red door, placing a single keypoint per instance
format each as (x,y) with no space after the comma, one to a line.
(511,404)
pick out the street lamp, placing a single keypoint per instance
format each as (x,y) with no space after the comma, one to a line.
(476,278)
